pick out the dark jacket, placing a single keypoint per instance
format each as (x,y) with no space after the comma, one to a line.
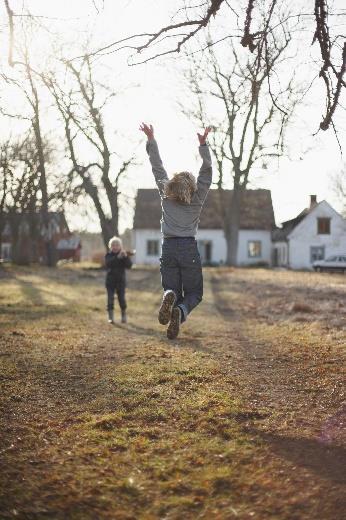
(116,266)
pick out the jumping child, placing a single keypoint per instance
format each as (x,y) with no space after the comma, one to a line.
(117,262)
(182,199)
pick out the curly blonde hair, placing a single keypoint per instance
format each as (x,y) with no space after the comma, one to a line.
(181,187)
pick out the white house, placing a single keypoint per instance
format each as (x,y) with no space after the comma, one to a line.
(316,233)
(256,226)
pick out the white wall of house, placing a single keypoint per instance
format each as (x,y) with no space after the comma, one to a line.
(141,238)
(254,241)
(218,243)
(147,243)
(305,236)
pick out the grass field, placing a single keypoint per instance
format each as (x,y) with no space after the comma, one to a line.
(241,417)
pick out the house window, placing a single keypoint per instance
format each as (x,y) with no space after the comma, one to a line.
(316,253)
(254,249)
(153,247)
(205,250)
(323,226)
(6,251)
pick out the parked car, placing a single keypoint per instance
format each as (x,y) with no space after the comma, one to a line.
(332,263)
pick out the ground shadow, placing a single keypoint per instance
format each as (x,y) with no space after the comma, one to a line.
(326,461)
(137,329)
(30,291)
(181,341)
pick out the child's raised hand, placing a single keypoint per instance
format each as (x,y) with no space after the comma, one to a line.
(203,137)
(148,130)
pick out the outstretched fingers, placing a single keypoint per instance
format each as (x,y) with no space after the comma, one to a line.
(206,131)
(148,130)
(203,137)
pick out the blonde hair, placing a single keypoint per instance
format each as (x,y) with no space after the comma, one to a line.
(181,187)
(115,240)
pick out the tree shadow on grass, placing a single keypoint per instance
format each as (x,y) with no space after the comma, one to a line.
(34,306)
(326,461)
(19,312)
(30,292)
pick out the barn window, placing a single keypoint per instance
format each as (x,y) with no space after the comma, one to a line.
(153,247)
(323,226)
(316,253)
(254,249)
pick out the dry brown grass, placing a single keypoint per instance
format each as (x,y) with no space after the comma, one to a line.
(241,417)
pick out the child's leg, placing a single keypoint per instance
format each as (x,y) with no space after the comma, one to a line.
(169,269)
(110,302)
(171,281)
(122,301)
(121,297)
(192,279)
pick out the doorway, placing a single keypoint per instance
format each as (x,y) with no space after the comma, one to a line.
(205,248)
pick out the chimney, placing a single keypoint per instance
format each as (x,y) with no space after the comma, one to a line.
(313,201)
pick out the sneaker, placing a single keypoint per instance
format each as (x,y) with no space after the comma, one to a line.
(123,317)
(110,317)
(174,325)
(166,308)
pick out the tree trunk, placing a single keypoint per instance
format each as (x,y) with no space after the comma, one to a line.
(115,215)
(50,257)
(16,252)
(111,191)
(2,227)
(231,226)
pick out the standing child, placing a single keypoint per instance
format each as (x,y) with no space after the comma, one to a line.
(117,262)
(182,199)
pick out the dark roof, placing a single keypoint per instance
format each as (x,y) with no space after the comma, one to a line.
(256,210)
(282,233)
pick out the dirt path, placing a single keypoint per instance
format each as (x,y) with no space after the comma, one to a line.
(241,417)
(296,407)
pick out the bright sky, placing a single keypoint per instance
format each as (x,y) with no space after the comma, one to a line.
(151,93)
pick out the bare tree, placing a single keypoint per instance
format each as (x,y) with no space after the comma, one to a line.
(27,85)
(339,188)
(81,110)
(6,176)
(320,18)
(251,130)
(20,201)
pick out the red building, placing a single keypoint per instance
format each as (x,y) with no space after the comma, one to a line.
(22,239)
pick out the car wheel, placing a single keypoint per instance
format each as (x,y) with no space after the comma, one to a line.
(318,269)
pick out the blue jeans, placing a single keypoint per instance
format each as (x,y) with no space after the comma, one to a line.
(181,271)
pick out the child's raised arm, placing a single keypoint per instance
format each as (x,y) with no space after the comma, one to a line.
(205,173)
(159,172)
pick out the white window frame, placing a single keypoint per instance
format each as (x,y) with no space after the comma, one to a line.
(157,246)
(322,248)
(260,248)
